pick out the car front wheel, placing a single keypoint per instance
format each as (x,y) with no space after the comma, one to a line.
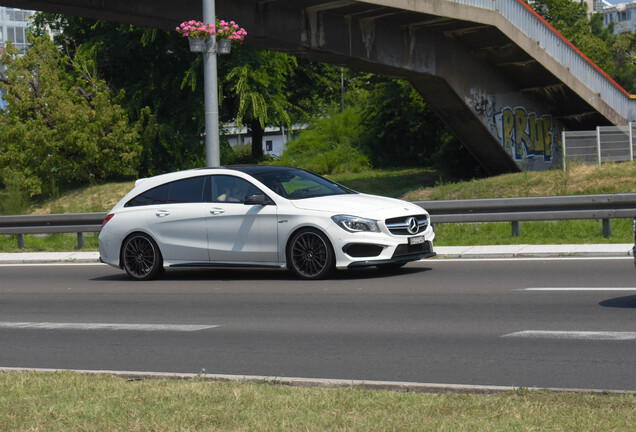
(310,255)
(141,257)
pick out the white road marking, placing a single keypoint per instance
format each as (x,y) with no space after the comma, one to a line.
(105,326)
(578,289)
(578,335)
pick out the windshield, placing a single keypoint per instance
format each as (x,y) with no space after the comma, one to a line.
(295,184)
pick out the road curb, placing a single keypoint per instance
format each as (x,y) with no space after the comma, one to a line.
(404,387)
(49,257)
(443,252)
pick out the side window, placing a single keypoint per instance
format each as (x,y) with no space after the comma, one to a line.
(231,189)
(181,191)
(188,190)
(157,195)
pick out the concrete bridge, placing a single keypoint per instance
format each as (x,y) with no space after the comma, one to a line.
(503,80)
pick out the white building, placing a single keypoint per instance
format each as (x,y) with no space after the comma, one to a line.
(622,15)
(594,6)
(274,139)
(13,25)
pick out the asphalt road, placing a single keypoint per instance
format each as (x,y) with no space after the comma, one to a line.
(532,323)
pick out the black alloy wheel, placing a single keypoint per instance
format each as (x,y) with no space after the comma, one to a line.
(141,257)
(310,255)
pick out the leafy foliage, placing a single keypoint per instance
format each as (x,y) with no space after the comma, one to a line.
(61,126)
(159,76)
(328,146)
(257,90)
(400,129)
(615,54)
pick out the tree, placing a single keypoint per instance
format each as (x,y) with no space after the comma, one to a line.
(400,129)
(258,92)
(570,18)
(161,78)
(61,126)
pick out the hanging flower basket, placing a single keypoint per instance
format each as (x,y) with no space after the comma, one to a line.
(223,46)
(199,33)
(197,45)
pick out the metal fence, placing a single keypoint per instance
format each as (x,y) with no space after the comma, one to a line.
(605,144)
(603,207)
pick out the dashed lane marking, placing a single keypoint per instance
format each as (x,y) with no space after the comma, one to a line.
(105,326)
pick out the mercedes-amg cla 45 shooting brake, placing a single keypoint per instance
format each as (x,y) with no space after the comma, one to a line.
(259,216)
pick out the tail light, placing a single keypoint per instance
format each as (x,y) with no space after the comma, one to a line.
(108,217)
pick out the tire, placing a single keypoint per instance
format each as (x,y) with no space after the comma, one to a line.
(141,257)
(310,255)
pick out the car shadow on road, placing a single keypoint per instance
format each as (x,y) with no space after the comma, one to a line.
(209,274)
(627,302)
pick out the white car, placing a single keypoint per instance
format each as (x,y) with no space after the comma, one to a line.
(259,216)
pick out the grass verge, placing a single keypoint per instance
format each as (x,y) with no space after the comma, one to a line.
(70,401)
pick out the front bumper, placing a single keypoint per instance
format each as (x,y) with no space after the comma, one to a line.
(403,253)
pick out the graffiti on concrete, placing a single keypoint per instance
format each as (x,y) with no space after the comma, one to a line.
(524,133)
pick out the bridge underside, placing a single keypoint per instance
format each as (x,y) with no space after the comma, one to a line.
(507,107)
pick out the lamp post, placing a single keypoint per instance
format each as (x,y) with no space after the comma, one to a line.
(211,92)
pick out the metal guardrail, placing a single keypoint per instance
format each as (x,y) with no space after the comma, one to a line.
(515,210)
(79,223)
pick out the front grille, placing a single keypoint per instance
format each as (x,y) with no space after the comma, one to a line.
(405,249)
(400,225)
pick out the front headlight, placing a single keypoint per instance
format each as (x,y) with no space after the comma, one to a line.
(355,223)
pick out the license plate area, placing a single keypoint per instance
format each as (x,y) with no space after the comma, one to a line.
(416,240)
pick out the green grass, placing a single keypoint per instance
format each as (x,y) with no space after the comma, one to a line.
(533,232)
(74,402)
(48,243)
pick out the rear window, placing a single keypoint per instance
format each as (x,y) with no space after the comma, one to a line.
(190,190)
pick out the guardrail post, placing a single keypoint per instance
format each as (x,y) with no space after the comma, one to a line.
(564,149)
(634,248)
(20,241)
(80,240)
(631,142)
(598,143)
(607,228)
(516,228)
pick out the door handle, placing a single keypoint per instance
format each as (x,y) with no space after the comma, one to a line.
(216,210)
(162,213)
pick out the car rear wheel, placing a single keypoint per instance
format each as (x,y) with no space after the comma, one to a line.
(141,257)
(310,255)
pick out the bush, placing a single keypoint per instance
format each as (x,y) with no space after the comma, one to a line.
(328,146)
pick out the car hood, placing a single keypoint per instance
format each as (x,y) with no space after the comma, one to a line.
(359,205)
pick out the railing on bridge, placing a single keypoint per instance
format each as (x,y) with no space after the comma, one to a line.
(563,51)
(605,144)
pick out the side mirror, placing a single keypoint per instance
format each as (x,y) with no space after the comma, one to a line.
(257,199)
